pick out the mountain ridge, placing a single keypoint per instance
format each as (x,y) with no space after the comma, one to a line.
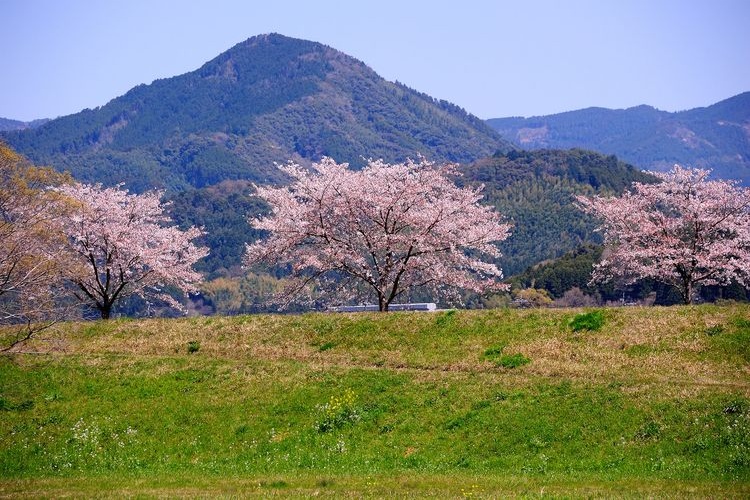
(9,124)
(267,99)
(716,136)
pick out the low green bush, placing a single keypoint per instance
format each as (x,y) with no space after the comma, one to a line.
(591,321)
(513,360)
(495,354)
(339,411)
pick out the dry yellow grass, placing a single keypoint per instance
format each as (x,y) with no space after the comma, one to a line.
(636,346)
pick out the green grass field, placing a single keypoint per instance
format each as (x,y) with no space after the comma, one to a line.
(626,402)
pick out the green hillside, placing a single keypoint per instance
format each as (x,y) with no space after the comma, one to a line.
(268,99)
(615,402)
(716,137)
(536,189)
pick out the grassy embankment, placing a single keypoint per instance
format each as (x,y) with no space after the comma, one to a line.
(626,402)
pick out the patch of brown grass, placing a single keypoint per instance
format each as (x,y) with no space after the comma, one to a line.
(638,345)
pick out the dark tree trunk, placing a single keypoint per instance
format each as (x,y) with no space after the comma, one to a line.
(106,313)
(105,310)
(383,303)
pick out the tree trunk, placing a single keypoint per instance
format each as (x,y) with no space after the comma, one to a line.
(105,310)
(687,293)
(383,304)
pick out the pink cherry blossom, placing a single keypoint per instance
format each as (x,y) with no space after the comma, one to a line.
(684,231)
(377,233)
(123,245)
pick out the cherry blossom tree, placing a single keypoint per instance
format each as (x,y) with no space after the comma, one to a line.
(123,245)
(685,231)
(30,248)
(377,233)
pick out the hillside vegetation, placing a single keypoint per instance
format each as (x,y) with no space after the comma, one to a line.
(536,191)
(716,137)
(630,401)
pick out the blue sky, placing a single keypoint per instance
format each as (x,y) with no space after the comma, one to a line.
(493,58)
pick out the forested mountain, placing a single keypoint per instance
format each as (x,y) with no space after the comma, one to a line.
(7,124)
(716,137)
(268,99)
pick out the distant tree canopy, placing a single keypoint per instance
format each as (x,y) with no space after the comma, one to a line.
(222,211)
(572,270)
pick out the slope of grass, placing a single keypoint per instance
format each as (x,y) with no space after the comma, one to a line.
(656,402)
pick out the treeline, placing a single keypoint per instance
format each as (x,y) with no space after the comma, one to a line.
(572,273)
(535,190)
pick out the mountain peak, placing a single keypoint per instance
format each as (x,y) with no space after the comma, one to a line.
(270,98)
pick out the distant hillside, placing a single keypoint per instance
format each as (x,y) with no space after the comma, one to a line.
(716,137)
(268,99)
(535,190)
(7,124)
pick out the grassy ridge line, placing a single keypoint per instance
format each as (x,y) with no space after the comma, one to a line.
(696,346)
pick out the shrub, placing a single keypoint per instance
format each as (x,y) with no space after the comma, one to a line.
(575,297)
(513,360)
(532,297)
(193,346)
(495,354)
(591,321)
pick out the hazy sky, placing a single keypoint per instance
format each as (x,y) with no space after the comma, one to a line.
(493,58)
